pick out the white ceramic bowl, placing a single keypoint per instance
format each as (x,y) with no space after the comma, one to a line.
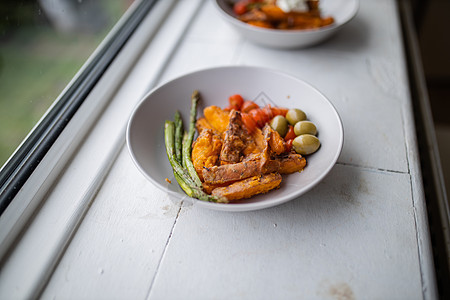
(145,131)
(341,10)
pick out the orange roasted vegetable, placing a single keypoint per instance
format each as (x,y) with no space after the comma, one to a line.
(249,187)
(257,144)
(276,142)
(205,151)
(238,171)
(293,162)
(269,15)
(217,118)
(248,105)
(235,140)
(202,124)
(273,12)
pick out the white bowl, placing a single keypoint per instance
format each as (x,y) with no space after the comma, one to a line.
(145,131)
(341,10)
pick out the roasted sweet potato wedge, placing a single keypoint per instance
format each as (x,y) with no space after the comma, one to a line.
(291,163)
(257,145)
(276,142)
(205,151)
(231,172)
(249,187)
(217,118)
(203,124)
(235,140)
(238,171)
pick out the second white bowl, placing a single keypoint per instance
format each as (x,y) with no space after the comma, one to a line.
(341,10)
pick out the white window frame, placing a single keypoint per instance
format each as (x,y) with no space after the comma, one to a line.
(129,77)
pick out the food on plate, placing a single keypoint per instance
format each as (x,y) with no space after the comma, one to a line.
(306,144)
(305,127)
(280,125)
(295,115)
(281,14)
(209,146)
(183,168)
(248,187)
(240,151)
(216,117)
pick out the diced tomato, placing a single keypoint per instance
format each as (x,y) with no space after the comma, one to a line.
(249,122)
(279,111)
(268,112)
(248,106)
(236,101)
(259,116)
(289,145)
(290,135)
(240,7)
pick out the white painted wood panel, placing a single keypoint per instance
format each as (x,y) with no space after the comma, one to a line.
(373,126)
(342,238)
(118,246)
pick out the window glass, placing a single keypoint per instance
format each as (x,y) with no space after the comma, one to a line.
(43,44)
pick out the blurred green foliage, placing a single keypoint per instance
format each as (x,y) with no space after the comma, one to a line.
(14,14)
(37,60)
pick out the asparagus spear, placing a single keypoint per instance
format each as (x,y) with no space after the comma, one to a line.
(186,188)
(169,137)
(178,136)
(181,175)
(187,160)
(192,119)
(188,139)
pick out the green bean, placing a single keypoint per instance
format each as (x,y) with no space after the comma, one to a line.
(188,139)
(182,176)
(192,119)
(178,136)
(186,188)
(169,137)
(188,161)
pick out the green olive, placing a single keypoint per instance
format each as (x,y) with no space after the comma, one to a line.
(279,124)
(306,144)
(295,115)
(305,127)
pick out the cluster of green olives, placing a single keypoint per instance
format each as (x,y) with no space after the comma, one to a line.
(306,141)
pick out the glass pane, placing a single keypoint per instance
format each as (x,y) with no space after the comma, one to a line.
(42,46)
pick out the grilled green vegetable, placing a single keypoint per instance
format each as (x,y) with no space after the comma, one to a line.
(188,139)
(178,136)
(188,180)
(169,137)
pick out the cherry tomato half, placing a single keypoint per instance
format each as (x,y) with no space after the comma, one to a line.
(236,101)
(290,135)
(248,105)
(240,7)
(249,122)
